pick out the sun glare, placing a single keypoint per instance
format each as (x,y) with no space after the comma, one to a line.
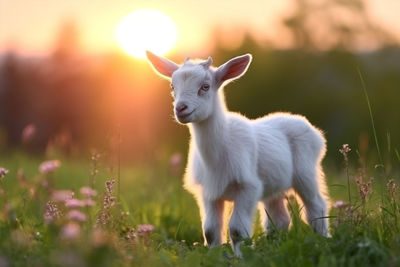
(146,29)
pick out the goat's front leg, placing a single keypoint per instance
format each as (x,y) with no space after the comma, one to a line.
(213,221)
(240,224)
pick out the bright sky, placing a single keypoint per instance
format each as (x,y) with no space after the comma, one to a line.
(31,26)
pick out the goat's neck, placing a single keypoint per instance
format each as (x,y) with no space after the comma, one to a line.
(210,135)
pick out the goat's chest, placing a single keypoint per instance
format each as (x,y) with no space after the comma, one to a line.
(222,174)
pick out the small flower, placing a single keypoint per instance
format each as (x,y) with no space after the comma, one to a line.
(109,186)
(175,162)
(3,172)
(88,192)
(364,188)
(108,202)
(339,204)
(76,215)
(51,213)
(70,231)
(95,156)
(49,166)
(74,203)
(131,235)
(145,228)
(28,133)
(345,149)
(62,195)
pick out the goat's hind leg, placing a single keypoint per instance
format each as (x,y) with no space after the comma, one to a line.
(275,214)
(316,213)
(307,187)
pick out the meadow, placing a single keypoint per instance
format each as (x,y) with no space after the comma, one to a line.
(91,212)
(62,206)
(91,159)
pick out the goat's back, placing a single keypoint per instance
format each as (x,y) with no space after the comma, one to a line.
(281,138)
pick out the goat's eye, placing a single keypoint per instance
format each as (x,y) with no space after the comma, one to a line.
(203,89)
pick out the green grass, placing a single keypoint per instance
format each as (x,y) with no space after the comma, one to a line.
(364,234)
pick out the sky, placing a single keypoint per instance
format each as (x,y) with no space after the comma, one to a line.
(31,26)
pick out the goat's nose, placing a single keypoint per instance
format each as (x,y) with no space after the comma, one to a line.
(180,107)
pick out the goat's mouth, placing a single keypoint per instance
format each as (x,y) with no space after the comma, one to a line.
(184,117)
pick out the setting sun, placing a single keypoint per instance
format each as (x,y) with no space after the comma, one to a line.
(146,29)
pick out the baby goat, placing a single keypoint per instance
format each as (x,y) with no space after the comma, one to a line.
(232,158)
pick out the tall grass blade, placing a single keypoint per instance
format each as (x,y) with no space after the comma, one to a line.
(397,154)
(271,221)
(371,115)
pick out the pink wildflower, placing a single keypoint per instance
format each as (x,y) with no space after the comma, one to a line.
(143,231)
(176,159)
(145,228)
(49,166)
(74,203)
(339,204)
(175,162)
(70,231)
(28,133)
(88,192)
(62,195)
(3,172)
(51,213)
(76,215)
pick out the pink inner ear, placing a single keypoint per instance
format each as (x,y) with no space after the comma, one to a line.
(236,68)
(163,66)
(165,69)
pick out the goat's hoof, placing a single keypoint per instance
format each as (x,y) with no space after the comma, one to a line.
(236,250)
(209,234)
(235,235)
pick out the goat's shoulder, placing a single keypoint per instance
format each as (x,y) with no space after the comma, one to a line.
(237,120)
(238,126)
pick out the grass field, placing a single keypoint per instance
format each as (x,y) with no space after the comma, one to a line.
(146,219)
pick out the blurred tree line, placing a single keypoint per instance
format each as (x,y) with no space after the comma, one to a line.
(76,102)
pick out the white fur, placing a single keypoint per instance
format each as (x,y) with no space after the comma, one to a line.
(232,158)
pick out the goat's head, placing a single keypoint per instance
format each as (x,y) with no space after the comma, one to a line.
(195,84)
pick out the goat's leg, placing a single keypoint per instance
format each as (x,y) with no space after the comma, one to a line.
(316,213)
(240,224)
(213,221)
(278,217)
(306,185)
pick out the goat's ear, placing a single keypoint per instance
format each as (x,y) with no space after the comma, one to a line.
(232,69)
(162,65)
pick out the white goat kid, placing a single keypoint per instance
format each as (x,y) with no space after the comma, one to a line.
(232,158)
